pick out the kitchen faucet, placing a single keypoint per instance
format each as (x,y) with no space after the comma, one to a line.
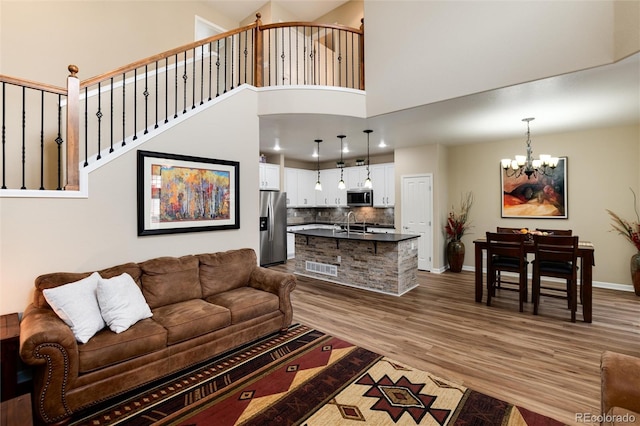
(348,222)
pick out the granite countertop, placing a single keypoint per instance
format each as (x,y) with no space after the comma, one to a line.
(328,233)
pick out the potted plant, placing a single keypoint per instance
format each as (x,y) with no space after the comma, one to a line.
(457,224)
(631,231)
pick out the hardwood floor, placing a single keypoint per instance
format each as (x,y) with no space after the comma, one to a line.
(544,363)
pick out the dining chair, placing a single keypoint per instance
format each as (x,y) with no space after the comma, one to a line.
(499,280)
(555,256)
(505,253)
(561,232)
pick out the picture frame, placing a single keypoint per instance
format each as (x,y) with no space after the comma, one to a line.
(540,196)
(180,193)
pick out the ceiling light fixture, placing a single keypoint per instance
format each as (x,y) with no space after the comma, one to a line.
(318,184)
(525,164)
(341,184)
(367,182)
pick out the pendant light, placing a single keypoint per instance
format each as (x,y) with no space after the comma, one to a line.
(367,182)
(318,184)
(341,184)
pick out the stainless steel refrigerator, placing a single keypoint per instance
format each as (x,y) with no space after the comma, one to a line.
(273,227)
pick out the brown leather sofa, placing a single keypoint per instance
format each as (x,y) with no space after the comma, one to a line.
(202,305)
(620,375)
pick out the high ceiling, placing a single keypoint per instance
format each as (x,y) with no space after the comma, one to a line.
(598,97)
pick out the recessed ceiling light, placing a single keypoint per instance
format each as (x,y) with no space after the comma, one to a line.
(382,144)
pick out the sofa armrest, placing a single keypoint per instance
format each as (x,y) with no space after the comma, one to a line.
(48,344)
(620,382)
(279,283)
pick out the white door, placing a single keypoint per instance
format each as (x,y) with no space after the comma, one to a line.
(417,213)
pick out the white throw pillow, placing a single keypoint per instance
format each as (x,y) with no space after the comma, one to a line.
(77,305)
(121,302)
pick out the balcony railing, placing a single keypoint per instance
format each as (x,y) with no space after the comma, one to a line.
(49,133)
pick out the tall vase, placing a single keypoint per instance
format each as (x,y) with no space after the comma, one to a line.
(635,272)
(455,255)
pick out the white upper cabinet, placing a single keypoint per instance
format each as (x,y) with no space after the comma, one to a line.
(269,176)
(383,180)
(330,196)
(355,177)
(300,187)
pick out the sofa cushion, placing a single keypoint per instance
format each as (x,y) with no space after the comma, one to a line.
(191,318)
(226,270)
(168,280)
(108,348)
(77,305)
(121,302)
(246,303)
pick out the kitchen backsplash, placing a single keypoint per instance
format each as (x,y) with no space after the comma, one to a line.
(384,216)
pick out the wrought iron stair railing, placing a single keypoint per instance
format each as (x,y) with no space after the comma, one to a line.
(49,132)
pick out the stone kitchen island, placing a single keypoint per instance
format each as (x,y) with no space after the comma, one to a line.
(385,263)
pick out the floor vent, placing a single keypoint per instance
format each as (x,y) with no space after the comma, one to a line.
(321,268)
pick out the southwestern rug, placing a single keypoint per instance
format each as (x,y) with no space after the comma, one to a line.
(306,377)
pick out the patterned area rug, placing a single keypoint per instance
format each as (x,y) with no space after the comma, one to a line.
(305,377)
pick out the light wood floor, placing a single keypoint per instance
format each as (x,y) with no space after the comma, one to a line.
(544,363)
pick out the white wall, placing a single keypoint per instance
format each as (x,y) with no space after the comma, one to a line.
(455,48)
(39,236)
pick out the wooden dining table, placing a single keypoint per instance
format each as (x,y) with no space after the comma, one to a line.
(587,262)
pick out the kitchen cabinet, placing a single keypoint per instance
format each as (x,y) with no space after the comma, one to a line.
(356,177)
(269,176)
(291,186)
(330,196)
(300,187)
(384,189)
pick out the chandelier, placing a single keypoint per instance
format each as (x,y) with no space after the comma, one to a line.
(525,164)
(318,184)
(340,164)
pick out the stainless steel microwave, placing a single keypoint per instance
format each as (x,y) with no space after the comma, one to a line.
(360,197)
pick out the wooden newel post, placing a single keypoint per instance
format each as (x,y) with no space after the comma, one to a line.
(362,54)
(73,130)
(258,53)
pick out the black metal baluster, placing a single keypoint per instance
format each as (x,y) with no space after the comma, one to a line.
(232,50)
(202,74)
(4,137)
(184,91)
(99,115)
(218,69)
(175,97)
(239,37)
(111,104)
(193,78)
(86,127)
(246,52)
(157,116)
(339,59)
(290,58)
(166,90)
(210,71)
(135,104)
(269,56)
(282,55)
(333,57)
(353,63)
(41,140)
(24,123)
(124,108)
(304,55)
(297,56)
(226,49)
(326,57)
(146,99)
(59,142)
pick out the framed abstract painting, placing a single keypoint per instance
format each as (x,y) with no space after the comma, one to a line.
(541,196)
(179,193)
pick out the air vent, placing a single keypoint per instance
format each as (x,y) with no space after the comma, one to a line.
(321,268)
